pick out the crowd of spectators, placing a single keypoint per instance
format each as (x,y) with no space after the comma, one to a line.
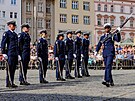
(125,56)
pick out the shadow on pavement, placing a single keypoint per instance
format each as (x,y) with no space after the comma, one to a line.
(67,83)
(55,97)
(52,85)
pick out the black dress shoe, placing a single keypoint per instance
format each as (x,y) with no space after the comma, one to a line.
(62,79)
(42,81)
(70,77)
(112,84)
(58,79)
(8,85)
(26,83)
(106,84)
(87,75)
(14,86)
(45,81)
(22,83)
(79,76)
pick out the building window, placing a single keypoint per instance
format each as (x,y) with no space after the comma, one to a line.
(48,24)
(15,15)
(121,21)
(13,2)
(131,10)
(105,8)
(99,21)
(2,27)
(75,19)
(122,9)
(28,6)
(40,7)
(99,7)
(28,20)
(112,22)
(131,23)
(112,8)
(86,20)
(105,20)
(63,4)
(63,18)
(75,4)
(40,23)
(1,1)
(11,14)
(86,6)
(3,14)
(48,8)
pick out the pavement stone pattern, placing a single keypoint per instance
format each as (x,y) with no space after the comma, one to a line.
(80,89)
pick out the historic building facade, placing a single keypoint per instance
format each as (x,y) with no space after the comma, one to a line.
(115,12)
(57,16)
(9,10)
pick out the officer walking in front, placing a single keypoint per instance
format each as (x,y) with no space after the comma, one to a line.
(77,52)
(59,53)
(69,53)
(24,51)
(42,52)
(85,54)
(9,47)
(108,52)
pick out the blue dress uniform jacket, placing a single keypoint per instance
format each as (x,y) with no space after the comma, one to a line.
(24,51)
(69,50)
(59,51)
(78,47)
(85,52)
(108,45)
(42,52)
(42,49)
(77,51)
(85,48)
(108,54)
(10,40)
(9,46)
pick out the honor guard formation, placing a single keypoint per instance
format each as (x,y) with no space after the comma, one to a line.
(67,50)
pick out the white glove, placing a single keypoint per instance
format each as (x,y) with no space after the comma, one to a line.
(66,56)
(39,58)
(56,58)
(119,29)
(82,55)
(19,58)
(5,56)
(95,53)
(74,55)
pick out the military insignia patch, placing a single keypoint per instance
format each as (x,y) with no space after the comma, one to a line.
(4,34)
(19,35)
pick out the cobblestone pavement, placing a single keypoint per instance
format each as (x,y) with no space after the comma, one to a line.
(83,89)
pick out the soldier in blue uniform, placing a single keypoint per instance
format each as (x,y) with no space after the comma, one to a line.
(77,52)
(9,47)
(69,48)
(108,53)
(42,52)
(85,54)
(24,52)
(59,53)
